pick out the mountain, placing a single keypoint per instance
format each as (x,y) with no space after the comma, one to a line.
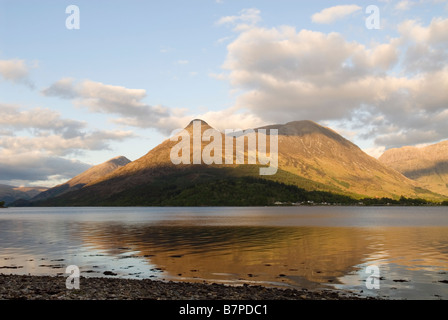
(320,154)
(9,194)
(427,165)
(310,157)
(92,174)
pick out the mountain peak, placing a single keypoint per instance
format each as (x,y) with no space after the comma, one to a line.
(305,127)
(296,128)
(204,125)
(120,161)
(200,120)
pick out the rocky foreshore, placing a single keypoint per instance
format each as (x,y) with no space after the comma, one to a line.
(23,287)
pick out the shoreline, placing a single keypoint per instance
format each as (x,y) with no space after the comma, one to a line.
(27,287)
(249,206)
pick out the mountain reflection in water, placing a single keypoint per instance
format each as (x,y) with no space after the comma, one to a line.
(413,259)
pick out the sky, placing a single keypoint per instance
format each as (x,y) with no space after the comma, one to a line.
(136,70)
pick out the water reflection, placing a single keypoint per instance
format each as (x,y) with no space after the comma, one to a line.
(298,256)
(413,260)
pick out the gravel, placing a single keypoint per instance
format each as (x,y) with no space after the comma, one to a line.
(24,287)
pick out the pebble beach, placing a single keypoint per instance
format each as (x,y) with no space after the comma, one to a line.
(26,287)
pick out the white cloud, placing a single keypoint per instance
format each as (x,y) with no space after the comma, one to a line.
(435,33)
(109,99)
(44,158)
(223,40)
(246,19)
(132,111)
(332,14)
(393,92)
(40,119)
(63,88)
(60,146)
(231,119)
(35,144)
(15,71)
(283,74)
(49,132)
(426,47)
(302,56)
(21,168)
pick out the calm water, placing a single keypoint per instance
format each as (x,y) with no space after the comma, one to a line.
(303,247)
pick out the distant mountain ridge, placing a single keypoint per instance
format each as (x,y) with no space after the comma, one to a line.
(427,165)
(9,194)
(88,176)
(310,156)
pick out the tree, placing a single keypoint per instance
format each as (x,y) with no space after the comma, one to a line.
(2,204)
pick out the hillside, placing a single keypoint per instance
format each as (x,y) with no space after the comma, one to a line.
(427,165)
(9,194)
(317,153)
(311,157)
(88,176)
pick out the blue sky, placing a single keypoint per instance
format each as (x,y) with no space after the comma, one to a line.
(136,70)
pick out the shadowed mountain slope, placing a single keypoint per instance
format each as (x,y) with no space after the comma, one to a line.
(427,165)
(9,194)
(88,176)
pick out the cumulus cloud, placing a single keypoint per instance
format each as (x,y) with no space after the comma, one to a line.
(34,144)
(20,168)
(293,70)
(110,99)
(221,120)
(434,34)
(49,132)
(58,145)
(16,71)
(332,14)
(393,92)
(129,109)
(427,47)
(39,118)
(63,88)
(287,55)
(128,105)
(230,118)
